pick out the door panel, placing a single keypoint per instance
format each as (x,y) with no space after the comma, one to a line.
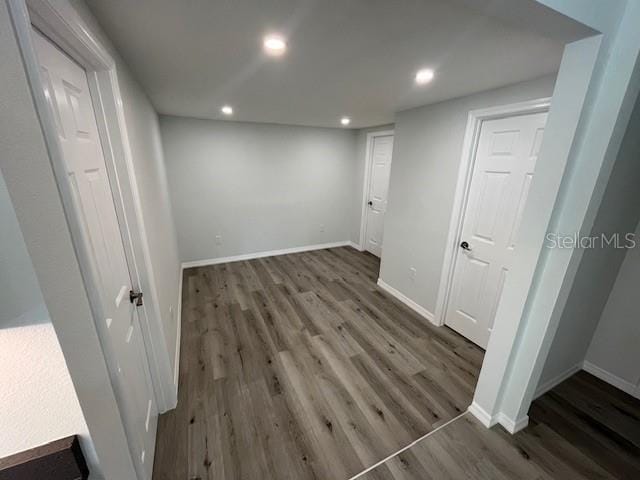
(67,91)
(503,170)
(381,155)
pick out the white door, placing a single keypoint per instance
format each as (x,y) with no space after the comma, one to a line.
(67,90)
(381,150)
(505,161)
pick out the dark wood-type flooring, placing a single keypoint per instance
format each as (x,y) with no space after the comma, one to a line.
(583,429)
(300,367)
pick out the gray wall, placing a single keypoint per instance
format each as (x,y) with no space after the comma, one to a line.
(619,212)
(19,289)
(426,157)
(150,176)
(614,346)
(259,186)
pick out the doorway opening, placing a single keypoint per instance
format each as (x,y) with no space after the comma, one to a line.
(378,158)
(115,302)
(497,167)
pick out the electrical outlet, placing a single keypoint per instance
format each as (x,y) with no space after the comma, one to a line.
(322,228)
(218,239)
(412,274)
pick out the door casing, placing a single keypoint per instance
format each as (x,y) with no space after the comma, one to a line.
(465,172)
(103,84)
(63,26)
(368,162)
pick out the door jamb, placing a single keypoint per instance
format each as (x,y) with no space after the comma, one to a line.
(367,180)
(475,120)
(64,29)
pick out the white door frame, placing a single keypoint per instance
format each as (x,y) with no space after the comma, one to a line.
(465,173)
(64,27)
(368,162)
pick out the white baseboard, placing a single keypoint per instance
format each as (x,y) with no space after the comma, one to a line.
(611,379)
(176,360)
(549,384)
(482,415)
(510,425)
(488,420)
(356,246)
(269,253)
(420,310)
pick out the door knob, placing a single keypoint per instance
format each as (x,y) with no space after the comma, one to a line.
(370,203)
(465,246)
(135,297)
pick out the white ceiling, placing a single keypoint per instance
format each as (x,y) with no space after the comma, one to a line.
(348,57)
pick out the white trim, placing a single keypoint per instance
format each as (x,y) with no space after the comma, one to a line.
(395,454)
(482,415)
(419,309)
(367,181)
(611,379)
(549,384)
(268,253)
(176,360)
(465,173)
(513,426)
(62,25)
(486,419)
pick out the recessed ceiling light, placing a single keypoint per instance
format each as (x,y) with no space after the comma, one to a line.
(227,110)
(424,76)
(274,45)
(345,121)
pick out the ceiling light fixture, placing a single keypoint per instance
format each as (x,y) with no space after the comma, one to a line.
(274,45)
(227,110)
(345,121)
(424,76)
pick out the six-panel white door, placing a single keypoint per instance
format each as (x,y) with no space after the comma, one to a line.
(504,166)
(381,155)
(66,88)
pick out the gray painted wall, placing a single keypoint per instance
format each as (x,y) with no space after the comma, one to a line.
(619,212)
(19,289)
(150,177)
(260,187)
(426,157)
(614,346)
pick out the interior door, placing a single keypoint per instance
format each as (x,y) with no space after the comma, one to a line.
(503,170)
(381,155)
(66,88)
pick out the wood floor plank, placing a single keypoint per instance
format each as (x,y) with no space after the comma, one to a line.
(297,367)
(567,438)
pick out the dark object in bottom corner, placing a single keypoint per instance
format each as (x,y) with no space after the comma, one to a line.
(58,460)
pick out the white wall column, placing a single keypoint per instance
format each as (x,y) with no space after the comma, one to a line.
(595,93)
